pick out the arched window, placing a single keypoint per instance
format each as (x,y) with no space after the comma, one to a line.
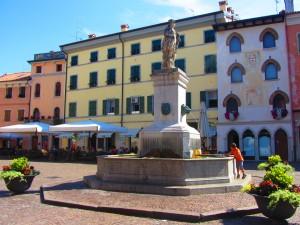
(235,44)
(279,102)
(271,72)
(264,144)
(248,145)
(37,91)
(269,40)
(36,114)
(236,75)
(57,89)
(234,41)
(232,105)
(232,137)
(56,113)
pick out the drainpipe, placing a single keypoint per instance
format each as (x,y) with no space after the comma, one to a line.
(29,98)
(66,81)
(122,84)
(290,86)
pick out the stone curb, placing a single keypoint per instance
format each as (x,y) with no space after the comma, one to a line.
(150,213)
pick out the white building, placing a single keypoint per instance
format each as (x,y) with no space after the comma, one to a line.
(254,109)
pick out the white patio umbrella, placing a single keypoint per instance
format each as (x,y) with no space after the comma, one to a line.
(204,128)
(87,126)
(34,127)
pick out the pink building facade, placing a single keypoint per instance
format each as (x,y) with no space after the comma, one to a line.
(14,106)
(293,46)
(47,100)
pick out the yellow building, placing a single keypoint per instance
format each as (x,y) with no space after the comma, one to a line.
(108,77)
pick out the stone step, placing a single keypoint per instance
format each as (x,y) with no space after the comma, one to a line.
(236,185)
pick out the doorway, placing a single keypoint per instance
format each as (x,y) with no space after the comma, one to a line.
(281,144)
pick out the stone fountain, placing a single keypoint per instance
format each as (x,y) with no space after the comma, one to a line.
(164,164)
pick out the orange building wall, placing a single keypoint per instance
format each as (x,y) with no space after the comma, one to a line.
(294,61)
(14,104)
(47,101)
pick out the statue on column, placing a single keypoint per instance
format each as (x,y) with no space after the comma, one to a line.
(169,45)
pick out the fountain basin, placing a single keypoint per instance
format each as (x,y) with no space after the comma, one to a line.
(166,171)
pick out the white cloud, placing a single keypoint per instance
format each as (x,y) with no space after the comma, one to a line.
(190,7)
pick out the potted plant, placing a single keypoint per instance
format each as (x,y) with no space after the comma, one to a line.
(279,113)
(18,175)
(276,196)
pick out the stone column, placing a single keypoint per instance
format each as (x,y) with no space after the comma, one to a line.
(169,135)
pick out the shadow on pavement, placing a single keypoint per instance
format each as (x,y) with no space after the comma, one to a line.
(6,194)
(254,220)
(67,186)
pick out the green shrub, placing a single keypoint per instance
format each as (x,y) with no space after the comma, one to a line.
(284,196)
(280,174)
(19,164)
(11,174)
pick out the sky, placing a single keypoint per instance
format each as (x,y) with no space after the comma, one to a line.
(28,27)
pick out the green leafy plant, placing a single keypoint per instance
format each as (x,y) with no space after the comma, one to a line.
(277,183)
(18,168)
(19,164)
(284,196)
(10,175)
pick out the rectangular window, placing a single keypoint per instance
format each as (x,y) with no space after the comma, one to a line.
(135,73)
(111,77)
(74,60)
(21,113)
(94,56)
(298,41)
(180,63)
(58,67)
(156,45)
(135,49)
(93,79)
(135,105)
(22,91)
(109,107)
(73,82)
(209,36)
(8,93)
(72,109)
(38,69)
(210,64)
(188,99)
(111,53)
(181,42)
(92,108)
(156,66)
(7,115)
(210,98)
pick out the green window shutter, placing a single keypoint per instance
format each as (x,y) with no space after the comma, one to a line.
(104,107)
(150,104)
(142,104)
(72,109)
(116,106)
(128,105)
(92,108)
(210,64)
(189,99)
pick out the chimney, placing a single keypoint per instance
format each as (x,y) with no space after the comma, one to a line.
(223,5)
(91,36)
(289,6)
(124,27)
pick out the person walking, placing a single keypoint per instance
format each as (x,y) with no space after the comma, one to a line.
(236,152)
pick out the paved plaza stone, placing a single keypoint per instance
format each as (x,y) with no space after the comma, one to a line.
(27,208)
